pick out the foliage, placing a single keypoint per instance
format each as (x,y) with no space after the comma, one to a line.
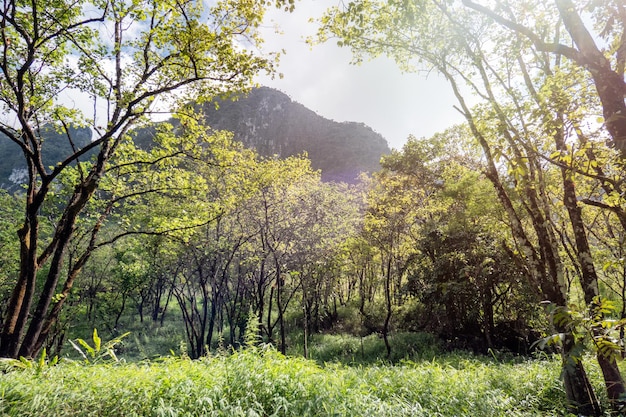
(597,326)
(39,365)
(266,383)
(536,96)
(457,238)
(98,352)
(369,350)
(126,59)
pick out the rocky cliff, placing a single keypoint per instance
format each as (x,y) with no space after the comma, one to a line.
(270,122)
(57,147)
(266,120)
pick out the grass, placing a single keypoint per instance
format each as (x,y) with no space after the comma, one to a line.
(351,350)
(261,382)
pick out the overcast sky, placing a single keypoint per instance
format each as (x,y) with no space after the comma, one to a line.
(375,93)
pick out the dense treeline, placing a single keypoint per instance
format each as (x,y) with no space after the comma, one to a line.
(216,234)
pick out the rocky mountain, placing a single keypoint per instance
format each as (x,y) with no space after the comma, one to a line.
(13,170)
(270,122)
(266,120)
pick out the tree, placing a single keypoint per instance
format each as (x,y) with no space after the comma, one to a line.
(123,57)
(273,212)
(205,260)
(326,215)
(466,283)
(392,221)
(590,26)
(512,118)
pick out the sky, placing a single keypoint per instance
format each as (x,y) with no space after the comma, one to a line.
(376,93)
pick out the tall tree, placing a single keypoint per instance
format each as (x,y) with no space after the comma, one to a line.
(122,57)
(597,43)
(467,48)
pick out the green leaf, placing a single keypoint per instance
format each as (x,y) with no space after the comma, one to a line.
(88,348)
(42,359)
(555,155)
(96,341)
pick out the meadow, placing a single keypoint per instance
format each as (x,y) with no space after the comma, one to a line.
(259,381)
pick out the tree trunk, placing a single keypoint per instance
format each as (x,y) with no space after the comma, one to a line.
(582,398)
(613,379)
(305,311)
(279,306)
(22,297)
(24,290)
(609,83)
(388,303)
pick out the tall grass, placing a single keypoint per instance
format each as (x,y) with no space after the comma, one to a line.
(261,382)
(371,349)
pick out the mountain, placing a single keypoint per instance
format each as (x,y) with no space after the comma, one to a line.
(270,122)
(266,120)
(13,170)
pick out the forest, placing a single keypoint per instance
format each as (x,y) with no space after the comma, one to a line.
(479,272)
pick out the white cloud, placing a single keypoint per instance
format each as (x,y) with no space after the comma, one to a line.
(375,92)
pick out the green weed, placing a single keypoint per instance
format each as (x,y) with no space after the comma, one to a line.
(262,382)
(98,352)
(371,349)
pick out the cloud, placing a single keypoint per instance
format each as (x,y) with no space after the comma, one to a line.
(375,93)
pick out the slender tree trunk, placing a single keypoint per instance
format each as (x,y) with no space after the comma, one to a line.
(613,380)
(305,311)
(270,327)
(580,393)
(167,303)
(53,315)
(488,321)
(608,82)
(213,314)
(388,303)
(279,306)
(45,298)
(118,317)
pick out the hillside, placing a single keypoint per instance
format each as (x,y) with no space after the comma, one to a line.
(13,170)
(270,122)
(266,120)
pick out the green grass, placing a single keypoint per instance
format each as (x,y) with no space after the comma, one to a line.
(353,350)
(261,382)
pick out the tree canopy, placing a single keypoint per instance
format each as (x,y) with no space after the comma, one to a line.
(122,58)
(540,85)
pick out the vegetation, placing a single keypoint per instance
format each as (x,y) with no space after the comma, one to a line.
(532,126)
(263,382)
(495,237)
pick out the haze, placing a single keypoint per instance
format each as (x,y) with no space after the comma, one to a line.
(375,93)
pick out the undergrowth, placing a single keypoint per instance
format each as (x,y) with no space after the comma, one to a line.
(352,350)
(262,382)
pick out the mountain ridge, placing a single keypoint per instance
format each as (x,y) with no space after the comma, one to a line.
(266,120)
(272,123)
